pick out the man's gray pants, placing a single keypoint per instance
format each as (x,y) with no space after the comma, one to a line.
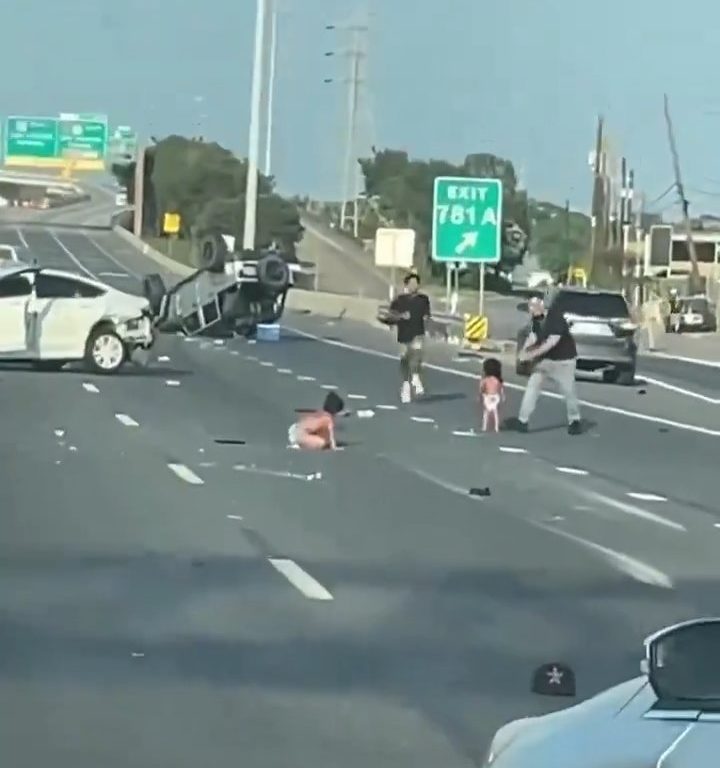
(562,372)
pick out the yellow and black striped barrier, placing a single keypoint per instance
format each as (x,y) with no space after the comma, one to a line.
(476,328)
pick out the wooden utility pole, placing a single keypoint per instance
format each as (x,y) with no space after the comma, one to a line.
(598,199)
(695,285)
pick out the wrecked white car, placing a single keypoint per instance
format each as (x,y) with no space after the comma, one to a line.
(50,318)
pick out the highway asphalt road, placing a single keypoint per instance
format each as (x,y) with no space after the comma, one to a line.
(168,600)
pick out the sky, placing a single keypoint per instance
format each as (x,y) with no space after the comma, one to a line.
(519,78)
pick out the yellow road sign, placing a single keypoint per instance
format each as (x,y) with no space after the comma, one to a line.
(171,223)
(476,328)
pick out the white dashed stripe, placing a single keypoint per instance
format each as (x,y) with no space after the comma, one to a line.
(300,579)
(510,449)
(572,471)
(460,433)
(128,421)
(163,359)
(172,383)
(186,474)
(306,378)
(285,371)
(88,387)
(387,407)
(423,419)
(329,386)
(267,364)
(356,397)
(646,496)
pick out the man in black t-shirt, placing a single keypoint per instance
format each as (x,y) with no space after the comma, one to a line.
(553,347)
(412,309)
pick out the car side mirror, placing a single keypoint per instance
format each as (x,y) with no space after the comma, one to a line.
(523,306)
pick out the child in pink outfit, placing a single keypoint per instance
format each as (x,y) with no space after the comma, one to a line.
(491,392)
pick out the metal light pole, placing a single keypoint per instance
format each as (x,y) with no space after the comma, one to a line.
(251,187)
(271,89)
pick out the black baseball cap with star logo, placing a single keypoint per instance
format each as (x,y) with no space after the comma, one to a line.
(553,679)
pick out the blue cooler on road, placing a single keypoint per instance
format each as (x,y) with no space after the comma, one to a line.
(267,332)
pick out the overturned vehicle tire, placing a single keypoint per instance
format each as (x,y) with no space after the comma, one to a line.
(211,252)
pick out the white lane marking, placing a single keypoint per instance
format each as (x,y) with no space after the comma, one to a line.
(681,390)
(234,517)
(59,432)
(112,258)
(267,364)
(172,383)
(636,569)
(306,378)
(468,433)
(278,473)
(128,421)
(88,387)
(716,525)
(163,359)
(387,407)
(553,395)
(113,274)
(285,371)
(639,512)
(252,341)
(681,359)
(572,470)
(367,414)
(251,357)
(71,255)
(21,237)
(423,419)
(186,474)
(234,352)
(510,449)
(137,655)
(329,386)
(357,397)
(72,448)
(646,496)
(300,579)
(219,343)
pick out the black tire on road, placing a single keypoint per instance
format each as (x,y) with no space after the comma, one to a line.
(154,291)
(105,352)
(273,273)
(211,252)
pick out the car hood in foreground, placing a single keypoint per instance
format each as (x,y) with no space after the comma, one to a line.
(610,730)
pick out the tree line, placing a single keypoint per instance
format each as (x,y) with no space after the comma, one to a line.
(205,184)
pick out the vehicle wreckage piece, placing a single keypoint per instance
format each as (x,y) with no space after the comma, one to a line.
(229,292)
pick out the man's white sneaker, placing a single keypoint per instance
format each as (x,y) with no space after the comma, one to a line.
(417,385)
(405,392)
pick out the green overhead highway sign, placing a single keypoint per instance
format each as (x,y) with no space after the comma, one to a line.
(467,220)
(76,140)
(30,137)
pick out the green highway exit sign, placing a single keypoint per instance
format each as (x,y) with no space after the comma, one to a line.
(467,220)
(31,137)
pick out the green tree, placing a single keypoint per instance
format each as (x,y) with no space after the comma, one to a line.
(205,184)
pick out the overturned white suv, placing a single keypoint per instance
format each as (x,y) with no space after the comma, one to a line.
(49,318)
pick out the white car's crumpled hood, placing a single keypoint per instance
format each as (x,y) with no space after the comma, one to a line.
(125,306)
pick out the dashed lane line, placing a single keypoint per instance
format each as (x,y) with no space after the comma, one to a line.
(306,378)
(128,421)
(89,387)
(329,386)
(172,383)
(511,449)
(300,579)
(285,371)
(186,474)
(635,511)
(163,359)
(357,397)
(423,419)
(572,471)
(387,407)
(646,496)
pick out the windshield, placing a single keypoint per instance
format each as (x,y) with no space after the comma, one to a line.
(605,305)
(686,664)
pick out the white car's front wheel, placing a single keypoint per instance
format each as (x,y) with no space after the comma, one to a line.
(105,351)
